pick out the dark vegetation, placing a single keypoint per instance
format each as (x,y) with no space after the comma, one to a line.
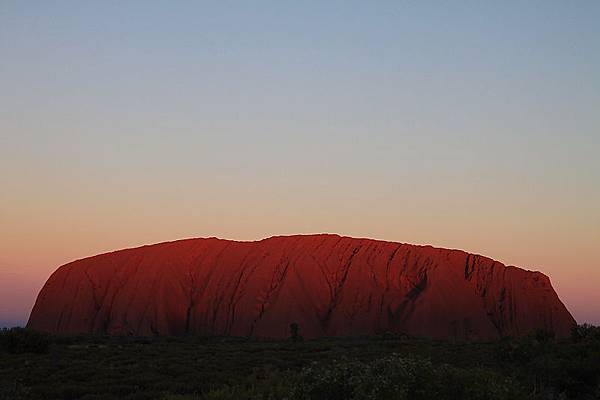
(39,366)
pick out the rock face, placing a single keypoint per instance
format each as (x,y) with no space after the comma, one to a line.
(329,285)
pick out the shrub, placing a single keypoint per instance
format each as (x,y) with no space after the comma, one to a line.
(585,332)
(21,340)
(396,377)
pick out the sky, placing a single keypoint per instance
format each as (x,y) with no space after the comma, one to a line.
(471,125)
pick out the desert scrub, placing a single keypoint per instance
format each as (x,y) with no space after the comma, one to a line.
(398,377)
(21,340)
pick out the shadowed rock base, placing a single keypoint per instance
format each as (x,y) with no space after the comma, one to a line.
(327,284)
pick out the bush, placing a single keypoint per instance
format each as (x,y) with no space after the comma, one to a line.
(585,332)
(331,382)
(20,340)
(396,377)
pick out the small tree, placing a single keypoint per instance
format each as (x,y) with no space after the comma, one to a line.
(584,331)
(294,332)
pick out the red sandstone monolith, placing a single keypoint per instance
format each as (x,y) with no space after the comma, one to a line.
(329,285)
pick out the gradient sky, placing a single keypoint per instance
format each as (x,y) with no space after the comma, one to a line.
(472,125)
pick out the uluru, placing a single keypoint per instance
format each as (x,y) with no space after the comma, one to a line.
(328,285)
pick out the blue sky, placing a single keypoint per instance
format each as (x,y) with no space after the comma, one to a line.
(464,124)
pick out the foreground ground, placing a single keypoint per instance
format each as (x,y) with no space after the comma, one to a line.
(534,367)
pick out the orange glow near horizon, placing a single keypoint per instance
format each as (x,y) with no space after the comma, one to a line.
(38,242)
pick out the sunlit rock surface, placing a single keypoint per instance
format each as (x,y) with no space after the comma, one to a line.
(329,285)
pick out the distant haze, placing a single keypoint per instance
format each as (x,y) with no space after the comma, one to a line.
(465,125)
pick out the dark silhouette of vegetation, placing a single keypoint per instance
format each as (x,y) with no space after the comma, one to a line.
(585,332)
(21,340)
(401,377)
(537,366)
(294,332)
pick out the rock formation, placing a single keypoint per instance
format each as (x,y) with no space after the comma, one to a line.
(329,285)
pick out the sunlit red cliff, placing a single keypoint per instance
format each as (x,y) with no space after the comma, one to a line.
(329,285)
